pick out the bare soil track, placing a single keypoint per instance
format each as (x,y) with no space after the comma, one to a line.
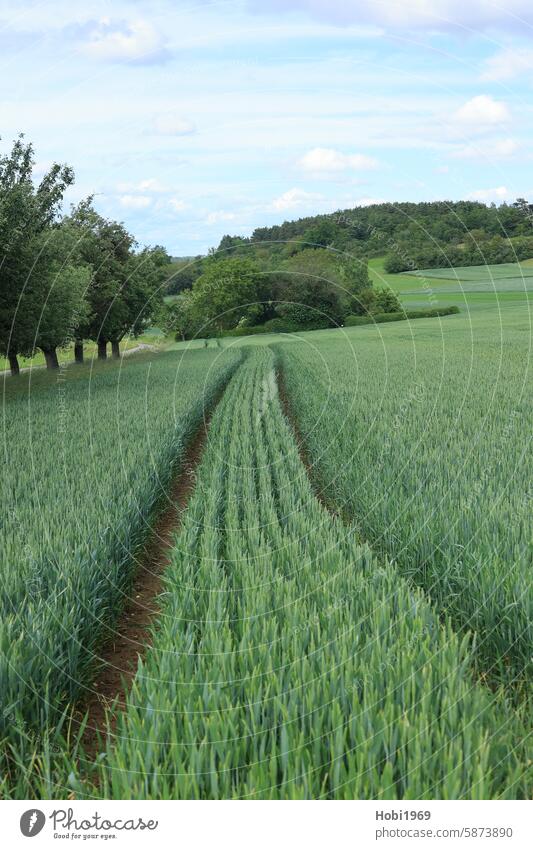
(130,636)
(131,633)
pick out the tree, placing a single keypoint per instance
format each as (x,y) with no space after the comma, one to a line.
(386,301)
(230,245)
(126,287)
(182,273)
(105,246)
(228,291)
(26,213)
(365,302)
(139,297)
(317,285)
(397,262)
(353,273)
(322,234)
(179,317)
(62,287)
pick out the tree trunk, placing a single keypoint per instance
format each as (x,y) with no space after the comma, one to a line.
(50,355)
(14,365)
(102,350)
(78,351)
(115,350)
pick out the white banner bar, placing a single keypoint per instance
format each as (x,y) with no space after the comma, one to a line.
(263,825)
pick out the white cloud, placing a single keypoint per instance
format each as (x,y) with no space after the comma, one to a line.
(326,160)
(482,111)
(294,198)
(137,41)
(135,201)
(508,64)
(150,185)
(439,15)
(219,215)
(491,149)
(500,193)
(177,204)
(172,124)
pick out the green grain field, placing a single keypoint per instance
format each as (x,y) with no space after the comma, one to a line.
(347,609)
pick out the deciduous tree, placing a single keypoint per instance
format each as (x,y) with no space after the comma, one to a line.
(27,211)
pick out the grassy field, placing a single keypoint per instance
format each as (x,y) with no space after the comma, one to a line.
(374,642)
(520,272)
(153,337)
(493,287)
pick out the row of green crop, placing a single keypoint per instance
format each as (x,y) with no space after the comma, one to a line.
(288,662)
(85,462)
(427,445)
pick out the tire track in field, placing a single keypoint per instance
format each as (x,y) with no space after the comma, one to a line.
(319,493)
(131,635)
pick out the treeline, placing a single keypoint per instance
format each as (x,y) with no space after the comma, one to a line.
(478,248)
(67,278)
(411,235)
(306,288)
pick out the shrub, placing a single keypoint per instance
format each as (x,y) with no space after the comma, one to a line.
(380,318)
(386,301)
(432,313)
(277,325)
(364,302)
(395,263)
(284,325)
(244,331)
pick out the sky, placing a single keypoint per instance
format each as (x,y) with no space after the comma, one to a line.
(189,119)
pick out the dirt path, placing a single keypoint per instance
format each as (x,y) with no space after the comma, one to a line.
(127,352)
(130,636)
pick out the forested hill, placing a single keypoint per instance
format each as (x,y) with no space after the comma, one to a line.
(411,234)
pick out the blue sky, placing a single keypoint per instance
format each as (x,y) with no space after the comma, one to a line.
(189,120)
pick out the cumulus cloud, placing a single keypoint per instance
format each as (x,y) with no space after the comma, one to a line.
(173,124)
(326,160)
(499,193)
(294,198)
(508,64)
(481,112)
(135,201)
(135,41)
(442,15)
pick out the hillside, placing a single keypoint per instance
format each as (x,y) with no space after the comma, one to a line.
(411,235)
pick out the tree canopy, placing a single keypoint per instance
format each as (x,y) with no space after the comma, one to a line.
(230,291)
(27,213)
(67,278)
